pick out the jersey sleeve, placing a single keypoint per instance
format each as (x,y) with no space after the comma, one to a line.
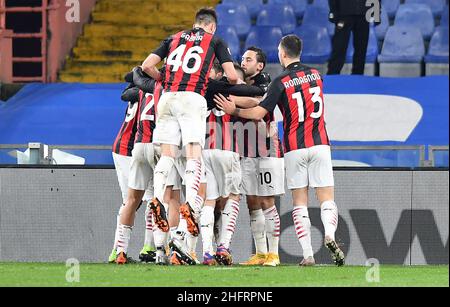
(273,96)
(163,50)
(222,52)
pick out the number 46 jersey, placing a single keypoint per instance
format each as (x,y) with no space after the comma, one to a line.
(299,95)
(190,56)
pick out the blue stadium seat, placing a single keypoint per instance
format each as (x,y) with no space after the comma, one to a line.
(436,5)
(278,16)
(444,16)
(253,6)
(234,15)
(416,15)
(372,48)
(321,3)
(402,45)
(438,50)
(299,6)
(229,34)
(382,28)
(316,44)
(318,16)
(267,38)
(390,6)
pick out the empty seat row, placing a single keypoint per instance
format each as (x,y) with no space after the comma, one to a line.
(402,45)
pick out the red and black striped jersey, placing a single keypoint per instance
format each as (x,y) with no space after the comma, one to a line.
(298,92)
(220,132)
(190,55)
(147,114)
(124,142)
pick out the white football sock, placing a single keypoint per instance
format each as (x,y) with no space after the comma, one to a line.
(191,242)
(302,225)
(207,229)
(228,222)
(116,234)
(192,176)
(162,171)
(149,240)
(124,238)
(330,217)
(257,224)
(272,229)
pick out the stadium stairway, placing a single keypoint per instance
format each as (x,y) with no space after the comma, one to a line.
(122,33)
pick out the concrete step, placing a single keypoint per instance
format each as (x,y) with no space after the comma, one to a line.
(90,78)
(85,67)
(103,30)
(89,55)
(115,42)
(141,19)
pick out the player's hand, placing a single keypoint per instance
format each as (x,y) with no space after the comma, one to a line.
(225,104)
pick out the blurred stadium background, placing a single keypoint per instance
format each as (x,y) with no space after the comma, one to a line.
(60,85)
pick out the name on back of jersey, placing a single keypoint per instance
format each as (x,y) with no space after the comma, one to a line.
(301,80)
(192,38)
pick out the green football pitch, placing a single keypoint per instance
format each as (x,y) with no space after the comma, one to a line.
(45,274)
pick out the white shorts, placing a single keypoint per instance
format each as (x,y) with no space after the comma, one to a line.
(122,165)
(181,119)
(309,167)
(223,173)
(142,165)
(262,176)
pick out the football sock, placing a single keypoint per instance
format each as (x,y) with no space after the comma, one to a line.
(272,229)
(116,235)
(192,177)
(228,222)
(329,216)
(162,170)
(149,240)
(124,238)
(257,224)
(207,228)
(302,225)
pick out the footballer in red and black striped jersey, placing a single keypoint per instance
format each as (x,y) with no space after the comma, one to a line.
(182,111)
(262,169)
(298,92)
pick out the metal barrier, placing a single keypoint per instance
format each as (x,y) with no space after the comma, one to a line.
(420,148)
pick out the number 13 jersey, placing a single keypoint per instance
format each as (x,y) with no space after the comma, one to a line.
(190,55)
(299,95)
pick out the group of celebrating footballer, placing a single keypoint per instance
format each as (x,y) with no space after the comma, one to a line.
(208,124)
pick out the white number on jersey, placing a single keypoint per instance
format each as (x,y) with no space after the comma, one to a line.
(177,60)
(131,111)
(147,108)
(315,91)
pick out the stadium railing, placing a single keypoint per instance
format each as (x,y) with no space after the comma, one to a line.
(412,155)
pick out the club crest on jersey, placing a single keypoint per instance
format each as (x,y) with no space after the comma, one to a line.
(193,38)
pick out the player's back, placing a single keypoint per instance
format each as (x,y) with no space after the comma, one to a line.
(190,56)
(302,106)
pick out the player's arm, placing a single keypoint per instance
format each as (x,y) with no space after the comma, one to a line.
(149,65)
(142,81)
(269,103)
(224,56)
(245,102)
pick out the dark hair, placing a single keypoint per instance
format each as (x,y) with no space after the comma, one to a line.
(238,68)
(217,67)
(261,56)
(292,45)
(206,16)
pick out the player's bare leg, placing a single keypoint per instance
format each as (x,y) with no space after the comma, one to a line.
(272,228)
(229,217)
(257,225)
(330,217)
(302,224)
(126,224)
